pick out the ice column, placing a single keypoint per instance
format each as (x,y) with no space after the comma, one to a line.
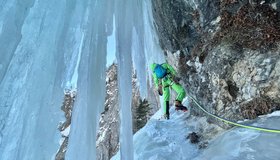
(145,43)
(124,23)
(31,73)
(91,82)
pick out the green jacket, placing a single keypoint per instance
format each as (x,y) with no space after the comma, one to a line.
(170,71)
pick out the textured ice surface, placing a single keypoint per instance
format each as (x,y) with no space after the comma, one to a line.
(46,47)
(240,143)
(166,140)
(30,78)
(49,46)
(91,82)
(124,24)
(136,40)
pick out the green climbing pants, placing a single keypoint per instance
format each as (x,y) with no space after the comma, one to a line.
(166,83)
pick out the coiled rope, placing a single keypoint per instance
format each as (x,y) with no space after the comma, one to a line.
(234,123)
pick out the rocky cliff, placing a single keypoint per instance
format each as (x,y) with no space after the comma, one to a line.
(227,52)
(109,132)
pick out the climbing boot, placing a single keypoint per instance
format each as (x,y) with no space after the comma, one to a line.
(178,103)
(179,106)
(167,110)
(166,116)
(182,108)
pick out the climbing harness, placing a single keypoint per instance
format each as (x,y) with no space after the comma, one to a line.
(234,123)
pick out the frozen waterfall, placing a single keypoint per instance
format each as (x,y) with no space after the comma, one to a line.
(51,46)
(48,47)
(137,44)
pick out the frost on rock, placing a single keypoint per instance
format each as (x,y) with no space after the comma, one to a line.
(107,139)
(64,128)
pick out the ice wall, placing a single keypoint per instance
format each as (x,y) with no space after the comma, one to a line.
(32,65)
(124,24)
(135,35)
(145,44)
(49,46)
(91,83)
(46,47)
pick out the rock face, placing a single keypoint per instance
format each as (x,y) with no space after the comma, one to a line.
(109,123)
(142,109)
(227,52)
(64,127)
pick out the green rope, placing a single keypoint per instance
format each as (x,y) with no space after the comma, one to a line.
(234,123)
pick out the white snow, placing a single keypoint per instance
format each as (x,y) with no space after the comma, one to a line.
(102,136)
(198,65)
(66,131)
(241,143)
(177,53)
(274,5)
(216,21)
(273,114)
(163,139)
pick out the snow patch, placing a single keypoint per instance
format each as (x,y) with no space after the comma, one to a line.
(198,65)
(216,21)
(103,135)
(71,92)
(274,5)
(273,114)
(163,139)
(177,53)
(66,131)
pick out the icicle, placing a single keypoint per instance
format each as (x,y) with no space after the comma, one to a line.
(124,20)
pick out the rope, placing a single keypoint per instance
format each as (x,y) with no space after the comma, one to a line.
(234,123)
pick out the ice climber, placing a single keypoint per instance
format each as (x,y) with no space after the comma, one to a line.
(164,77)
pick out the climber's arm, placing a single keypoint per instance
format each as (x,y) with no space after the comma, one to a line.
(155,80)
(171,69)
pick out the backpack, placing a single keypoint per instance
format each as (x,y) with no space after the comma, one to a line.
(160,71)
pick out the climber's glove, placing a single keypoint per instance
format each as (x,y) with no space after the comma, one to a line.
(176,79)
(160,90)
